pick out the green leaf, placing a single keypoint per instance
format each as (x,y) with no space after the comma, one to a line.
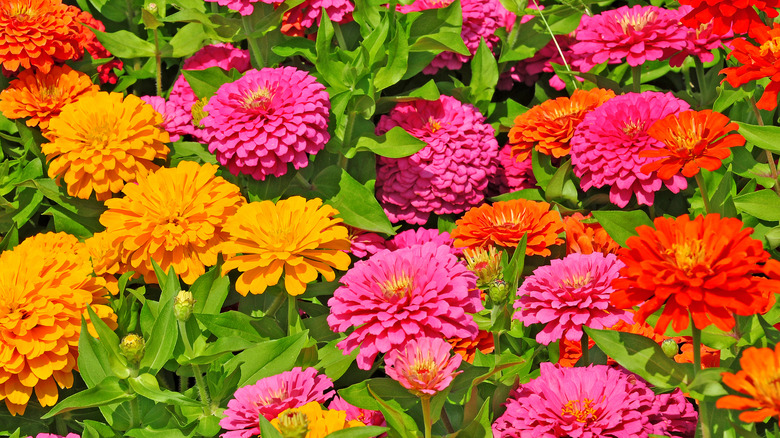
(93,362)
(271,189)
(125,44)
(395,143)
(642,356)
(146,385)
(558,189)
(206,82)
(187,40)
(763,204)
(110,391)
(210,291)
(620,225)
(429,91)
(707,385)
(441,42)
(110,342)
(358,395)
(162,339)
(542,168)
(333,362)
(358,432)
(484,74)
(231,324)
(358,207)
(267,430)
(269,357)
(401,424)
(515,266)
(437,20)
(397,60)
(530,194)
(479,426)
(765,137)
(181,150)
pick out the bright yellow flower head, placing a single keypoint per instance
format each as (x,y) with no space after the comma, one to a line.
(102,141)
(174,216)
(299,237)
(45,288)
(311,421)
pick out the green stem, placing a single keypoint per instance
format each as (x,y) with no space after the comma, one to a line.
(557,46)
(62,428)
(704,419)
(446,420)
(134,414)
(130,13)
(203,390)
(636,78)
(426,408)
(257,56)
(703,91)
(339,36)
(585,350)
(308,186)
(346,142)
(158,63)
(770,158)
(293,317)
(497,346)
(703,190)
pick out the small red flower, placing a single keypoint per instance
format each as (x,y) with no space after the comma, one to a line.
(762,61)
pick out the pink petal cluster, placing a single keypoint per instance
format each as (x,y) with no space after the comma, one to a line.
(365,416)
(222,55)
(397,296)
(481,19)
(175,120)
(450,174)
(516,175)
(424,366)
(675,415)
(271,396)
(419,236)
(528,70)
(307,13)
(593,401)
(364,242)
(243,7)
(636,35)
(606,145)
(701,41)
(569,294)
(267,119)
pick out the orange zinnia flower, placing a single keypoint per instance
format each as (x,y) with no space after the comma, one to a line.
(102,141)
(46,287)
(505,222)
(174,216)
(758,381)
(298,237)
(550,125)
(693,139)
(587,237)
(710,357)
(762,61)
(704,267)
(467,348)
(312,421)
(41,96)
(105,259)
(36,34)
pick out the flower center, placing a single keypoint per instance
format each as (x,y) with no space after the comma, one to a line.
(633,23)
(293,423)
(50,93)
(100,134)
(21,11)
(771,47)
(198,113)
(577,281)
(582,410)
(398,286)
(423,367)
(631,128)
(688,254)
(258,99)
(433,125)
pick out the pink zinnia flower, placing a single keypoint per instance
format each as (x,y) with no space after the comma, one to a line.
(182,97)
(424,366)
(481,19)
(396,296)
(518,174)
(701,41)
(569,294)
(638,34)
(306,14)
(271,396)
(450,174)
(594,401)
(605,146)
(675,415)
(364,242)
(419,236)
(175,120)
(266,120)
(365,416)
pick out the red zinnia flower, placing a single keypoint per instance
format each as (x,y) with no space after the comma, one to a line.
(762,61)
(728,14)
(693,139)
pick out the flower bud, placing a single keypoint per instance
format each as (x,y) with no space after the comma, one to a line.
(293,424)
(670,348)
(182,305)
(486,263)
(497,291)
(152,7)
(132,348)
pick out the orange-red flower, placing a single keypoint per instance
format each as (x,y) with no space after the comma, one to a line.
(36,34)
(298,237)
(41,96)
(762,61)
(550,125)
(587,237)
(727,15)
(692,140)
(505,222)
(758,381)
(705,269)
(174,216)
(46,287)
(467,348)
(102,141)
(710,357)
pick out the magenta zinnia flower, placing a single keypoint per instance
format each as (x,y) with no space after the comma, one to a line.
(636,35)
(419,236)
(175,120)
(450,174)
(306,14)
(518,174)
(365,416)
(481,19)
(271,396)
(569,294)
(266,120)
(424,366)
(675,415)
(606,145)
(595,401)
(364,243)
(396,296)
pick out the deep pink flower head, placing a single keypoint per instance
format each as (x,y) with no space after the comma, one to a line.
(306,14)
(271,396)
(175,120)
(221,55)
(701,41)
(675,415)
(569,294)
(593,401)
(396,296)
(365,416)
(636,35)
(605,146)
(450,174)
(364,242)
(424,366)
(481,19)
(243,7)
(266,120)
(518,174)
(419,236)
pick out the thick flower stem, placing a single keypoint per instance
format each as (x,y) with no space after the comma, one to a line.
(769,157)
(585,351)
(703,190)
(426,408)
(703,91)
(704,420)
(636,78)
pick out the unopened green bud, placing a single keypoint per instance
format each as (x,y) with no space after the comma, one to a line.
(293,424)
(152,7)
(498,291)
(182,305)
(486,263)
(132,347)
(670,348)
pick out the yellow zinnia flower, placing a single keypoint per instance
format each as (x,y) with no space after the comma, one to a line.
(102,141)
(174,216)
(299,237)
(312,420)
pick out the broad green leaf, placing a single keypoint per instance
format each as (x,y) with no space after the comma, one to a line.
(429,91)
(436,43)
(765,137)
(231,324)
(162,339)
(400,423)
(93,362)
(620,225)
(333,362)
(395,143)
(530,194)
(110,391)
(388,389)
(210,291)
(181,150)
(437,20)
(707,385)
(558,189)
(205,83)
(290,47)
(479,427)
(397,60)
(124,44)
(187,40)
(148,432)
(358,207)
(110,342)
(542,168)
(146,385)
(763,204)
(267,430)
(269,357)
(484,74)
